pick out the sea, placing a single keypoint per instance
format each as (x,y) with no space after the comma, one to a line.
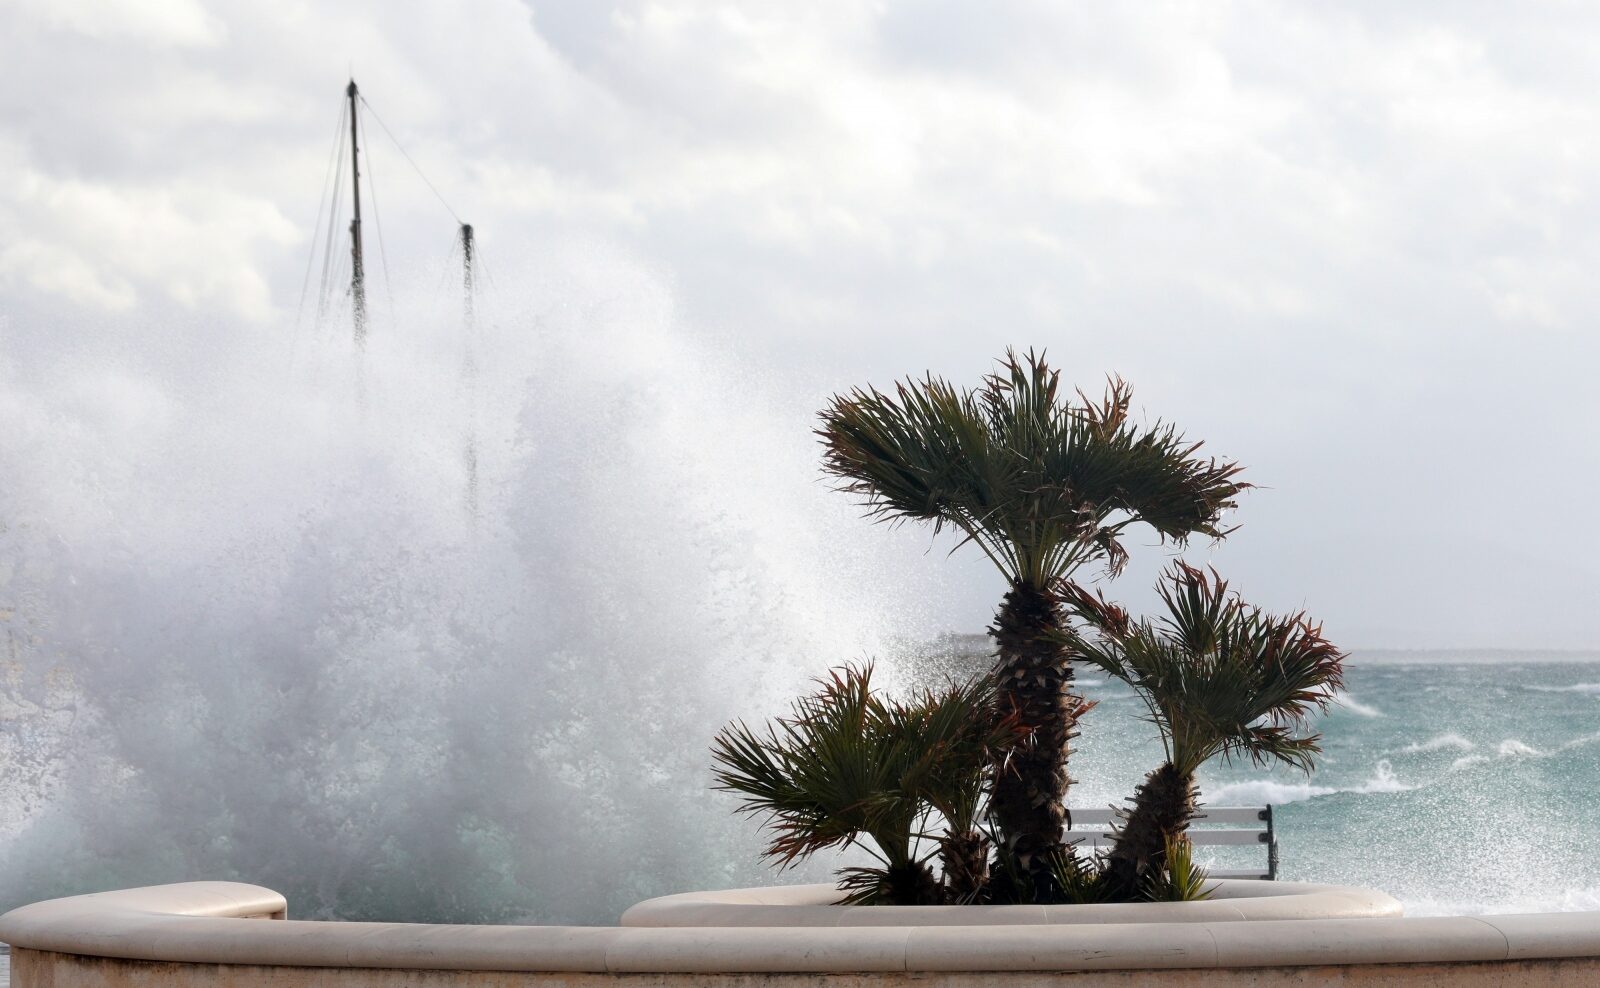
(1459,787)
(1459,783)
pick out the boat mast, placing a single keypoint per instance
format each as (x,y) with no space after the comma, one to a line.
(358,280)
(466,277)
(469,369)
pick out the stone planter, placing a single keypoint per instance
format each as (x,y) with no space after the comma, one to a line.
(228,935)
(814,905)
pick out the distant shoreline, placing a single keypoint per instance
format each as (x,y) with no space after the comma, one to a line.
(1470,656)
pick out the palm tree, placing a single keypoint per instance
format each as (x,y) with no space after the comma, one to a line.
(958,732)
(1220,678)
(1042,485)
(850,764)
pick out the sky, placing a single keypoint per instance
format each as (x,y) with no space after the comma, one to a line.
(1349,246)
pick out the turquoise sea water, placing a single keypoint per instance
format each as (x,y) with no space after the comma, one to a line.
(1457,787)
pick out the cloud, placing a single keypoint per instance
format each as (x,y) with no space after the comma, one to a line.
(159,23)
(98,244)
(1338,242)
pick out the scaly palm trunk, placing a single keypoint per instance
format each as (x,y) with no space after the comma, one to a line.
(1163,805)
(1034,676)
(912,885)
(965,859)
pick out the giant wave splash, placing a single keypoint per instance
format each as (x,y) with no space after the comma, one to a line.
(258,627)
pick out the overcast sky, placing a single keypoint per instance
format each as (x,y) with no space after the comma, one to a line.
(1352,246)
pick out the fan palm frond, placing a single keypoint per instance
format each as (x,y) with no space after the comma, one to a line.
(1220,677)
(820,775)
(849,764)
(1181,880)
(1043,482)
(1040,482)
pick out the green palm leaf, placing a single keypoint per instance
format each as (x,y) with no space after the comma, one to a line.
(849,764)
(1219,677)
(1039,482)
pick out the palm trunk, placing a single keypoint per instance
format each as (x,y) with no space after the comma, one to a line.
(1034,675)
(913,884)
(1163,805)
(965,858)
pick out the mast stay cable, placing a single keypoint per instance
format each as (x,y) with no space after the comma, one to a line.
(403,153)
(377,221)
(335,217)
(316,228)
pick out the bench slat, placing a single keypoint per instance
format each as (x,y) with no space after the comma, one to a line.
(1199,838)
(1208,814)
(1094,829)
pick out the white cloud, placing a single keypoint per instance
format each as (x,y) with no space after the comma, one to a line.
(181,23)
(1298,228)
(99,244)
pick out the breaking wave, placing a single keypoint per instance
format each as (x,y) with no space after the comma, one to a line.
(1268,792)
(1439,742)
(264,622)
(1350,703)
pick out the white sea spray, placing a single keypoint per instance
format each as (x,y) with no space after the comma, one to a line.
(253,624)
(1347,702)
(1589,688)
(1439,742)
(1258,792)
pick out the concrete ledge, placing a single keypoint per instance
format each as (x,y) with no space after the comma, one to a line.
(814,905)
(198,928)
(36,969)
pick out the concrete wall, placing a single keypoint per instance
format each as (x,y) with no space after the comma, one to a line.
(37,969)
(211,933)
(813,905)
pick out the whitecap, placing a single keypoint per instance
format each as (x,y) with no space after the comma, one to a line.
(1591,688)
(1567,900)
(1264,792)
(1268,792)
(1383,780)
(1579,742)
(1439,742)
(1512,748)
(1509,748)
(1355,706)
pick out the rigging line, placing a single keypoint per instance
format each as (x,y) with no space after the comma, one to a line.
(335,215)
(331,259)
(377,221)
(322,205)
(409,159)
(444,271)
(487,272)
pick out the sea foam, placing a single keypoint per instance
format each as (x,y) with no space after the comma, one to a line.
(1355,706)
(1439,742)
(1268,792)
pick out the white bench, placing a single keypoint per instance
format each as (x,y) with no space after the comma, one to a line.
(1246,825)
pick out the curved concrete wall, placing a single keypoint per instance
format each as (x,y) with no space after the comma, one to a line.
(196,934)
(813,905)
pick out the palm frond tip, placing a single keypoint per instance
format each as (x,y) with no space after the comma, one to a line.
(1040,482)
(1219,677)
